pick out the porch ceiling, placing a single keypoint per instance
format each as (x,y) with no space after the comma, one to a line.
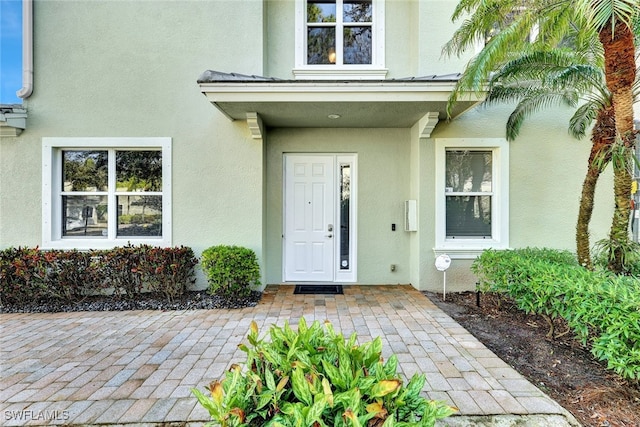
(359,104)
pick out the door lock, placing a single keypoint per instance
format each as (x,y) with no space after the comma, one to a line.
(330,227)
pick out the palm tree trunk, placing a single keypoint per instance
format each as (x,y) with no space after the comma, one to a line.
(602,136)
(620,74)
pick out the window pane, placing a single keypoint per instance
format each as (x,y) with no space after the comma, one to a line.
(468,171)
(321,11)
(357,10)
(468,216)
(357,45)
(84,216)
(84,170)
(345,215)
(138,171)
(321,45)
(139,215)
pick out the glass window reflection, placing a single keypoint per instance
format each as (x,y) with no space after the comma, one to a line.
(84,170)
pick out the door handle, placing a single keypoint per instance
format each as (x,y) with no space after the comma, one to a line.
(328,235)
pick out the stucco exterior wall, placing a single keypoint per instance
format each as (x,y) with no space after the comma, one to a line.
(546,171)
(383,178)
(129,68)
(415,31)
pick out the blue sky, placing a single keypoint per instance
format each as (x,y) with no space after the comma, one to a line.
(10,51)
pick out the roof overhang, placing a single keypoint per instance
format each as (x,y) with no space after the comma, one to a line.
(13,120)
(397,103)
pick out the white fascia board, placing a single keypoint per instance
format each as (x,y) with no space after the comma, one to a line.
(318,92)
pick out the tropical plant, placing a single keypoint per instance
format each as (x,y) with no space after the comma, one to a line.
(316,377)
(582,24)
(232,271)
(561,76)
(599,307)
(167,270)
(31,275)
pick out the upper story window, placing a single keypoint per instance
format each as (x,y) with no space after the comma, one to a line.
(339,32)
(340,39)
(102,192)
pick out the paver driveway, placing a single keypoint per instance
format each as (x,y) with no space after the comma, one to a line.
(138,367)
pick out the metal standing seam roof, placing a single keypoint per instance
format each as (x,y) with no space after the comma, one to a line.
(399,102)
(212,76)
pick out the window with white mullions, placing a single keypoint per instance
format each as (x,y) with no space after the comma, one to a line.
(472,195)
(129,181)
(340,36)
(339,32)
(100,192)
(469,193)
(84,193)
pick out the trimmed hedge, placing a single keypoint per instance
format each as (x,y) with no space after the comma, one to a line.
(231,270)
(30,275)
(601,308)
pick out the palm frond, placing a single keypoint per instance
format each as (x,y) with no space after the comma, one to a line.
(582,119)
(538,65)
(496,52)
(532,101)
(484,17)
(608,12)
(557,22)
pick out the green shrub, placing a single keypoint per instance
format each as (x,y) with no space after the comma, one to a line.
(119,267)
(73,275)
(601,308)
(315,377)
(23,276)
(166,270)
(231,270)
(630,256)
(29,275)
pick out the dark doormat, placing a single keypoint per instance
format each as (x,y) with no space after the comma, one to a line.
(318,289)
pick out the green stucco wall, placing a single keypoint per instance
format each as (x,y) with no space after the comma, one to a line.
(546,171)
(415,31)
(129,69)
(383,179)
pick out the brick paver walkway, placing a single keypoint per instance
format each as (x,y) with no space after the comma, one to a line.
(88,368)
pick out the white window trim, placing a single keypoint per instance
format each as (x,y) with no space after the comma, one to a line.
(51,180)
(471,248)
(374,71)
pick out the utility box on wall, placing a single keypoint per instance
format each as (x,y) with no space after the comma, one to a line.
(410,215)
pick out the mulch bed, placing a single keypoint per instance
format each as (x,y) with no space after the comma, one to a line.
(561,367)
(146,301)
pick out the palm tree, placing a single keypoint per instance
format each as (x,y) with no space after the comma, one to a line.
(610,21)
(561,76)
(620,71)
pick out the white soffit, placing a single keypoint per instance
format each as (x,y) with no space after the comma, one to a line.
(386,103)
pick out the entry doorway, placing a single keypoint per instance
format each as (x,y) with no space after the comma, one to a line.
(319,239)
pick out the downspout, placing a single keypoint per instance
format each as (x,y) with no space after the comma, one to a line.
(27,50)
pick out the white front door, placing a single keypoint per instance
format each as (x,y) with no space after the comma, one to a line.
(309,208)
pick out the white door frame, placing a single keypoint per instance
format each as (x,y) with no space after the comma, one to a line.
(344,234)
